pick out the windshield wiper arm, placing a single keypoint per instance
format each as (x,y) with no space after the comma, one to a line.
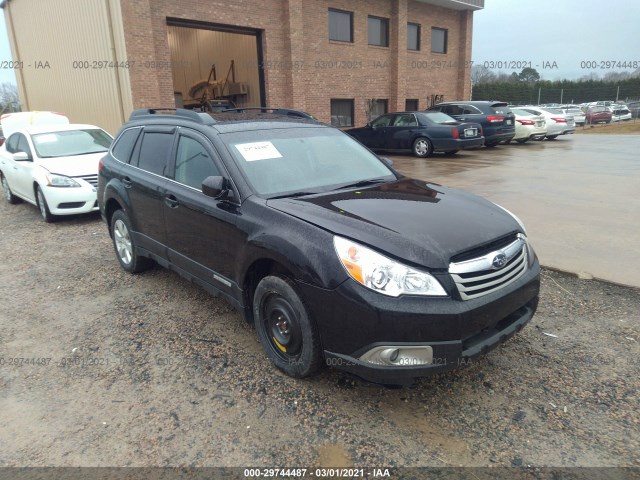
(292,195)
(363,183)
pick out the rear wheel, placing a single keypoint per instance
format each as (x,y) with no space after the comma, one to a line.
(552,137)
(288,335)
(422,147)
(42,205)
(125,246)
(8,194)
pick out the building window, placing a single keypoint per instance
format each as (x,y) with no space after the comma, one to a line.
(411,105)
(340,25)
(413,36)
(342,113)
(438,40)
(379,31)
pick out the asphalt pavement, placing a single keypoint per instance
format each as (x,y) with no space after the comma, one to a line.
(579,197)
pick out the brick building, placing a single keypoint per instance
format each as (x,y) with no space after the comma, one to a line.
(341,60)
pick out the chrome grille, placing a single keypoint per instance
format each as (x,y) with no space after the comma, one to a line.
(479,276)
(92,179)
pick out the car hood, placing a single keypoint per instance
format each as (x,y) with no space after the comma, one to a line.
(73,166)
(423,223)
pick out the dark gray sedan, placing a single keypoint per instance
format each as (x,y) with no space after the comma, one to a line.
(422,133)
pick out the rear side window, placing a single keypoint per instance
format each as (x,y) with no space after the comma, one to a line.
(470,110)
(453,110)
(502,110)
(124,145)
(154,152)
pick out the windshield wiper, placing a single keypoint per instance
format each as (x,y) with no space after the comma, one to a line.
(292,195)
(363,183)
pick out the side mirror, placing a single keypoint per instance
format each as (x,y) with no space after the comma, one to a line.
(21,157)
(387,161)
(215,187)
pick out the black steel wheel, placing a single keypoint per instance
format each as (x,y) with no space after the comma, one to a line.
(288,335)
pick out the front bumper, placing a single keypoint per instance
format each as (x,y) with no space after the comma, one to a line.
(353,320)
(71,201)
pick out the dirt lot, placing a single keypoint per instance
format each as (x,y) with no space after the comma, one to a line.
(122,370)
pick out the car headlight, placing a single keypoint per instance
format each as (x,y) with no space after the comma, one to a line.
(381,274)
(54,180)
(513,215)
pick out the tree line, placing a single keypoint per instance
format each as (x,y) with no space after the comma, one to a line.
(527,87)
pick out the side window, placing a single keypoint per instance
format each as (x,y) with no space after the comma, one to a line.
(383,121)
(124,144)
(193,163)
(405,121)
(23,145)
(154,152)
(470,110)
(453,110)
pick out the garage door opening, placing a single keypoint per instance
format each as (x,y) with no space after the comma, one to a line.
(215,65)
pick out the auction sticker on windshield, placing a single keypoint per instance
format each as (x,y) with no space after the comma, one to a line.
(258,151)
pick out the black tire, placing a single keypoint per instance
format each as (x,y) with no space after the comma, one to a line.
(6,190)
(124,245)
(490,145)
(288,335)
(422,147)
(522,140)
(45,213)
(552,137)
(451,152)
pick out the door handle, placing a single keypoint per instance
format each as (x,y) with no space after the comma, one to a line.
(127,182)
(171,201)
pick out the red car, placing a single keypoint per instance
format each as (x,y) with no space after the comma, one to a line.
(598,115)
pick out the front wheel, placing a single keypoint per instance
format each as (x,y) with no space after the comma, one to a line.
(422,147)
(8,194)
(124,244)
(43,206)
(288,335)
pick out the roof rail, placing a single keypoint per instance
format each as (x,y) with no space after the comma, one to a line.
(277,111)
(199,117)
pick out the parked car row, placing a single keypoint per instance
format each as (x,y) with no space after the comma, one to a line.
(335,257)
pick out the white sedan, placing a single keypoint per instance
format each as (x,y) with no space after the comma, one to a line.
(557,122)
(528,126)
(54,167)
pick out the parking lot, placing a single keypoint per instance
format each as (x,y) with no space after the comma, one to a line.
(577,196)
(102,368)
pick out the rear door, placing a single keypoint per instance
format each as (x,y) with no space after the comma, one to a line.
(201,232)
(145,180)
(402,132)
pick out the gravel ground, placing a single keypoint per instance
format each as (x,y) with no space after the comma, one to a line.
(150,370)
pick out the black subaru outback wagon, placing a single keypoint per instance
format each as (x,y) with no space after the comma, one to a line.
(334,256)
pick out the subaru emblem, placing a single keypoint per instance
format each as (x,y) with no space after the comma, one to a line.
(499,261)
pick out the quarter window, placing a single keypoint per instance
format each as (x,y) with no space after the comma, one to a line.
(340,26)
(379,31)
(439,40)
(154,152)
(413,36)
(193,163)
(124,144)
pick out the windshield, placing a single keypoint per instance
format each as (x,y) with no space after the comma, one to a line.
(302,160)
(437,117)
(71,142)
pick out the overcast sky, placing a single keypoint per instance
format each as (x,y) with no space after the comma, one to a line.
(533,32)
(566,32)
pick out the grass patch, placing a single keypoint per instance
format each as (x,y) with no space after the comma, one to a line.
(618,128)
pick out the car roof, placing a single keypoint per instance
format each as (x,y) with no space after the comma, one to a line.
(232,120)
(477,102)
(34,130)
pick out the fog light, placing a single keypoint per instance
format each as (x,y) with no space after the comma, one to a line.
(399,356)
